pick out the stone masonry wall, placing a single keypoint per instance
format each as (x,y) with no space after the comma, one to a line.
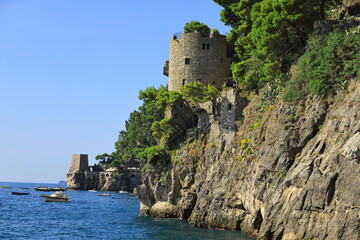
(79,163)
(194,57)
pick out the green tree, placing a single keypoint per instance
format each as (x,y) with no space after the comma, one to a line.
(104,157)
(198,93)
(268,34)
(162,99)
(156,158)
(195,26)
(137,135)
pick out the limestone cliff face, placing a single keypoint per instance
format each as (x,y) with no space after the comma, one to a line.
(287,172)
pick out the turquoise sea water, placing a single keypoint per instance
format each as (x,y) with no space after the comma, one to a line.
(88,216)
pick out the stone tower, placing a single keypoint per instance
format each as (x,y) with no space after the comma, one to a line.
(79,163)
(195,57)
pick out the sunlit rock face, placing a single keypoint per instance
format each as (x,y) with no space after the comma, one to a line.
(284,171)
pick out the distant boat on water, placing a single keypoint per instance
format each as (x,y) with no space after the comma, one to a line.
(5,187)
(123,191)
(104,194)
(47,189)
(20,193)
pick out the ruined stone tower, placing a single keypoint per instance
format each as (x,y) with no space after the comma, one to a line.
(79,163)
(195,57)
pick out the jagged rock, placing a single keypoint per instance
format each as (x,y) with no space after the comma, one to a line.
(351,149)
(349,8)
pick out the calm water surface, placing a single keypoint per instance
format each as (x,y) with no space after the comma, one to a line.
(88,216)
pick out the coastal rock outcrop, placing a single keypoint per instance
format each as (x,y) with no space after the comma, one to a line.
(283,171)
(81,176)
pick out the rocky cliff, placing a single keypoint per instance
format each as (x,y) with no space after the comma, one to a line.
(287,171)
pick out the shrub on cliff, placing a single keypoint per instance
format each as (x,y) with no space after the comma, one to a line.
(156,158)
(328,63)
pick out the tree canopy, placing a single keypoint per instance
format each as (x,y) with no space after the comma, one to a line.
(268,35)
(195,26)
(137,135)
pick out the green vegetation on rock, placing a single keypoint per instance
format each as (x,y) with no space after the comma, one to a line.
(329,62)
(137,135)
(269,35)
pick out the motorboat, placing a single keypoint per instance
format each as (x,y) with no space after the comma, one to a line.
(59,189)
(43,189)
(48,189)
(123,191)
(6,187)
(93,190)
(20,193)
(56,197)
(104,194)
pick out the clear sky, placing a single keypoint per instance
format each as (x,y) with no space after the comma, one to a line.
(70,73)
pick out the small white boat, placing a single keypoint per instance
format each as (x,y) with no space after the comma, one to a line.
(56,197)
(104,194)
(123,191)
(93,190)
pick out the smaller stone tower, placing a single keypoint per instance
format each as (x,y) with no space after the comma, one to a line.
(197,57)
(79,163)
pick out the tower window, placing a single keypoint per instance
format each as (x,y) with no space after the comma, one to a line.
(198,80)
(187,60)
(184,81)
(229,106)
(206,46)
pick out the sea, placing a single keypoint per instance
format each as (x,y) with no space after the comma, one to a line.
(89,216)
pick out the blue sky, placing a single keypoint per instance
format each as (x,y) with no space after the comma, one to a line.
(70,73)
